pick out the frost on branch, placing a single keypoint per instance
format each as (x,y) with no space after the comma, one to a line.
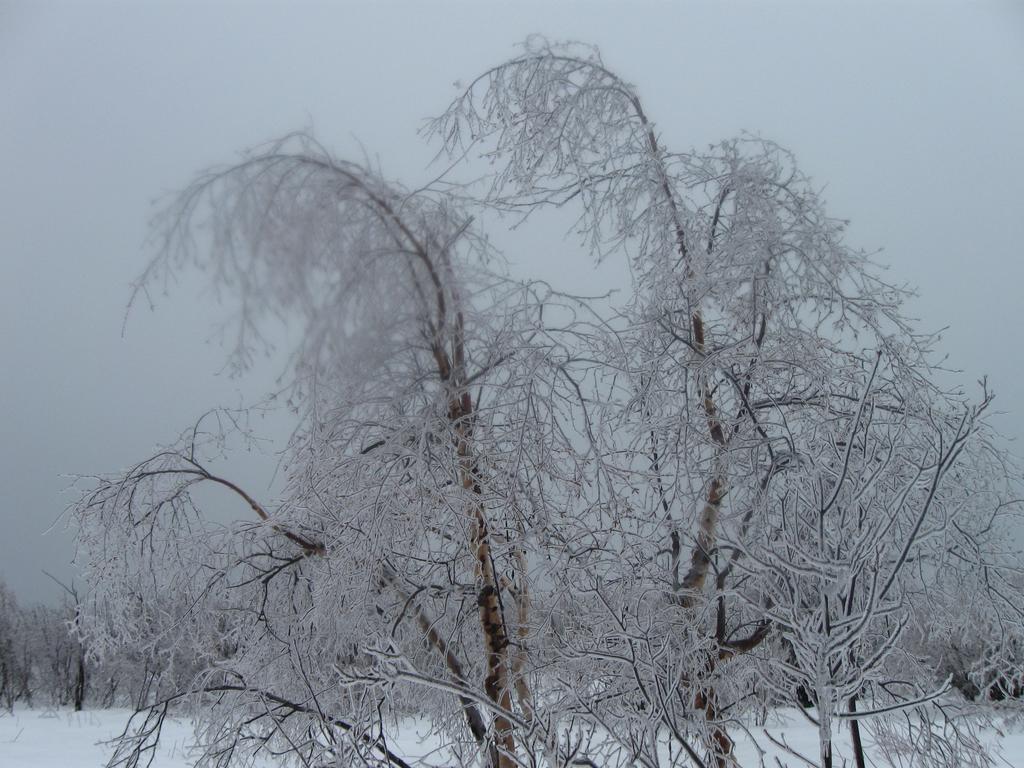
(556,532)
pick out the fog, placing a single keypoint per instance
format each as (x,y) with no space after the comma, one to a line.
(909,115)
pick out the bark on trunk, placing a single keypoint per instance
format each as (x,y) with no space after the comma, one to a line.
(492,618)
(80,681)
(720,742)
(858,746)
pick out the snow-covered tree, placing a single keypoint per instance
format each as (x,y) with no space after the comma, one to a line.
(557,531)
(13,669)
(800,473)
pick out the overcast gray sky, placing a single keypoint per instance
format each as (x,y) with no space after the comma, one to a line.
(911,115)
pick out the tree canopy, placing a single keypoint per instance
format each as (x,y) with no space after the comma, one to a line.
(560,530)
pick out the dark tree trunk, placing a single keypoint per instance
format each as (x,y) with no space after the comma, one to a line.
(79,696)
(858,745)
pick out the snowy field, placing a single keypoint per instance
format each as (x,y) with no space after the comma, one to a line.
(39,738)
(65,739)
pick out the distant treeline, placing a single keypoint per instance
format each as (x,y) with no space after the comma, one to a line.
(44,662)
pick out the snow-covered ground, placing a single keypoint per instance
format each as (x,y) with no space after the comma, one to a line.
(39,738)
(64,739)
